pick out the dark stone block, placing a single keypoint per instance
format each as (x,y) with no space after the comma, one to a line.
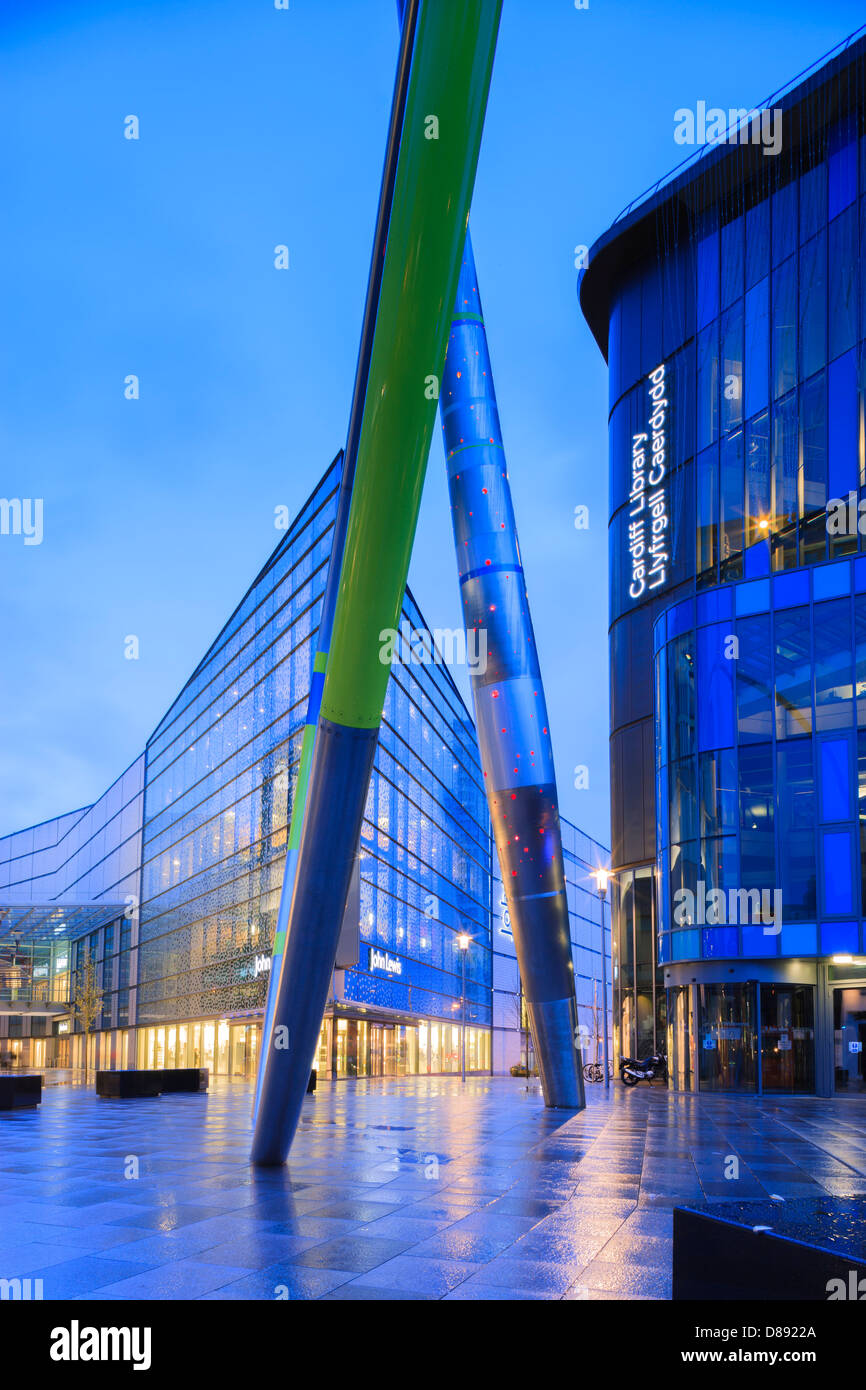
(18,1092)
(184,1079)
(719,1255)
(128,1085)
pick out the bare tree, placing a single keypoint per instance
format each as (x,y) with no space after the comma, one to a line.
(86,1004)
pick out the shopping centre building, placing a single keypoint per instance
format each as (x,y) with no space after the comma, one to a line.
(730,306)
(170,882)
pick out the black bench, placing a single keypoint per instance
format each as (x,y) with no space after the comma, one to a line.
(126,1085)
(18,1092)
(809,1249)
(184,1079)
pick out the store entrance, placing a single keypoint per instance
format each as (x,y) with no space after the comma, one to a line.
(849,1035)
(244,1050)
(752,1037)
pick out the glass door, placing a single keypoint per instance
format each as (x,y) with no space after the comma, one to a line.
(390,1040)
(787,1038)
(376,1050)
(849,1032)
(727,1042)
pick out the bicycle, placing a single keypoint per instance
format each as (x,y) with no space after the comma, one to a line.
(594,1071)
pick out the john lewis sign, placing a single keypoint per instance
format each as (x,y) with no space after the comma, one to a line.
(381,960)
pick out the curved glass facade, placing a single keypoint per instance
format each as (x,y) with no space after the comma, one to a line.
(183,858)
(732,310)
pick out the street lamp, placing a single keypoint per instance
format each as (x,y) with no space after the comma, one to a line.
(463,940)
(602,879)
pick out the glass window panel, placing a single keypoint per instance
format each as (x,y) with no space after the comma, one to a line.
(785,484)
(784,222)
(813,470)
(843,430)
(681,695)
(708,387)
(715,687)
(758,490)
(683,801)
(835,780)
(731,498)
(843,282)
(842,170)
(796,793)
(757,242)
(813,306)
(718,792)
(708,512)
(754,679)
(793,672)
(860,655)
(757,347)
(732,368)
(708,279)
(834,688)
(838,886)
(757,839)
(733,251)
(784,365)
(813,201)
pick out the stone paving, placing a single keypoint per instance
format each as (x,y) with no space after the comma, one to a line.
(411,1189)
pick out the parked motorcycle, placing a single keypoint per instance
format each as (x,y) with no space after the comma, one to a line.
(632,1071)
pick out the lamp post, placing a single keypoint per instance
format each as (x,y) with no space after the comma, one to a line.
(463,940)
(602,879)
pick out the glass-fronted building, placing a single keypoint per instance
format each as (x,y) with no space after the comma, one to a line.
(171,882)
(730,305)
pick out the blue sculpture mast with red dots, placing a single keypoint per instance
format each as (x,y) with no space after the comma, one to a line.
(510,710)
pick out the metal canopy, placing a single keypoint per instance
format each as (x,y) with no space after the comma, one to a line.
(55,921)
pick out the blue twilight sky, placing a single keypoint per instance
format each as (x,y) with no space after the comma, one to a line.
(155,257)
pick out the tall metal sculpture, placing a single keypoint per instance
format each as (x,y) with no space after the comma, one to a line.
(332,583)
(444,113)
(510,711)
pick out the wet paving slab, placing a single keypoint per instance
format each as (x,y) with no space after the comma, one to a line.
(419,1188)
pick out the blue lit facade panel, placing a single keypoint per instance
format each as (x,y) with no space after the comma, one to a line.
(736,712)
(761,761)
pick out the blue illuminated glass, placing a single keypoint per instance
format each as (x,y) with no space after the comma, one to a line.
(753,598)
(842,169)
(843,282)
(716,604)
(757,347)
(685,945)
(759,942)
(757,242)
(708,279)
(784,328)
(784,221)
(831,581)
(843,424)
(813,305)
(838,883)
(715,688)
(839,938)
(813,201)
(799,939)
(719,943)
(797,814)
(835,780)
(789,590)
